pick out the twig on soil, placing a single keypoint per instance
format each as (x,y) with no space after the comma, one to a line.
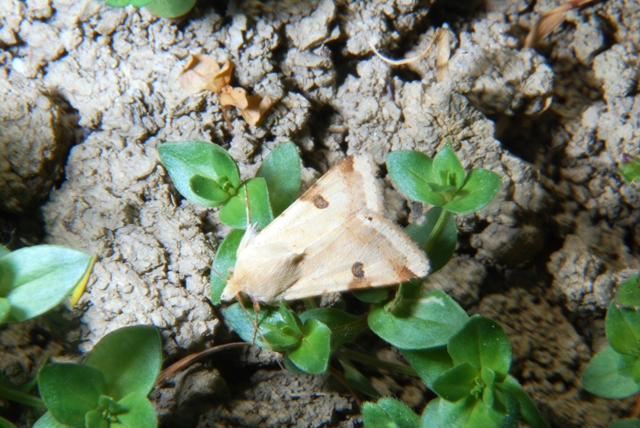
(187,361)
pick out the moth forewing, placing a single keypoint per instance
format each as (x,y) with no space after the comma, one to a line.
(333,238)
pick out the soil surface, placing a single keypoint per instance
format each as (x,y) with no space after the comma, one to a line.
(89,91)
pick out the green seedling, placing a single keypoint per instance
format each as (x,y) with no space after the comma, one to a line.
(630,170)
(464,360)
(615,371)
(110,388)
(35,279)
(161,8)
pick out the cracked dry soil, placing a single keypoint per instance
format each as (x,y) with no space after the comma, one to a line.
(89,91)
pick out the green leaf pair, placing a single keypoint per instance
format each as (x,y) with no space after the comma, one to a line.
(205,174)
(464,360)
(306,340)
(615,371)
(442,182)
(35,279)
(110,387)
(161,8)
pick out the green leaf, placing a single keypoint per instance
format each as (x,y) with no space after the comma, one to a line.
(479,189)
(425,322)
(234,212)
(622,327)
(225,260)
(313,353)
(456,383)
(482,343)
(270,323)
(389,413)
(630,170)
(429,363)
(36,279)
(344,327)
(289,366)
(138,413)
(439,243)
(4,251)
(5,309)
(356,379)
(447,169)
(610,375)
(411,172)
(6,424)
(282,172)
(170,8)
(130,359)
(629,292)
(528,410)
(373,295)
(625,423)
(194,165)
(93,419)
(466,413)
(48,421)
(70,390)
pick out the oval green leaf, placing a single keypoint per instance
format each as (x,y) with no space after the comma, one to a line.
(425,322)
(281,169)
(344,327)
(198,163)
(411,172)
(35,279)
(270,323)
(70,391)
(130,359)
(466,413)
(528,410)
(456,383)
(447,169)
(610,375)
(170,8)
(225,260)
(138,412)
(313,353)
(429,363)
(629,292)
(389,413)
(48,421)
(482,343)
(234,212)
(622,327)
(479,189)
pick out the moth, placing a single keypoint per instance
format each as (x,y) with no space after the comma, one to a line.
(334,238)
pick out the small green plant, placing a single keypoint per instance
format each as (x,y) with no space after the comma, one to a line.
(161,8)
(463,360)
(615,371)
(110,388)
(35,279)
(630,170)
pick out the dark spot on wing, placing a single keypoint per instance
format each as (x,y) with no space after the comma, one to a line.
(358,270)
(346,166)
(320,202)
(404,273)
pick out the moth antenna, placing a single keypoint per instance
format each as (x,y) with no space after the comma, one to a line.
(198,255)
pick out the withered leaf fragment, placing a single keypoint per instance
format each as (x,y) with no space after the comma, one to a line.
(550,20)
(251,107)
(203,73)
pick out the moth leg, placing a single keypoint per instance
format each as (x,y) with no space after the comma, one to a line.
(256,310)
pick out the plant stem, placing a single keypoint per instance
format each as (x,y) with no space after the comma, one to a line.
(309,303)
(20,397)
(376,362)
(437,230)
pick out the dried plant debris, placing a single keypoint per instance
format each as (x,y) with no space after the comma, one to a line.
(251,107)
(203,73)
(550,21)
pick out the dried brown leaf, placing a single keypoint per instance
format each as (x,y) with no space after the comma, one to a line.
(256,109)
(236,97)
(442,60)
(550,21)
(203,73)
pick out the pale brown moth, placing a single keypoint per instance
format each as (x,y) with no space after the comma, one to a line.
(334,238)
